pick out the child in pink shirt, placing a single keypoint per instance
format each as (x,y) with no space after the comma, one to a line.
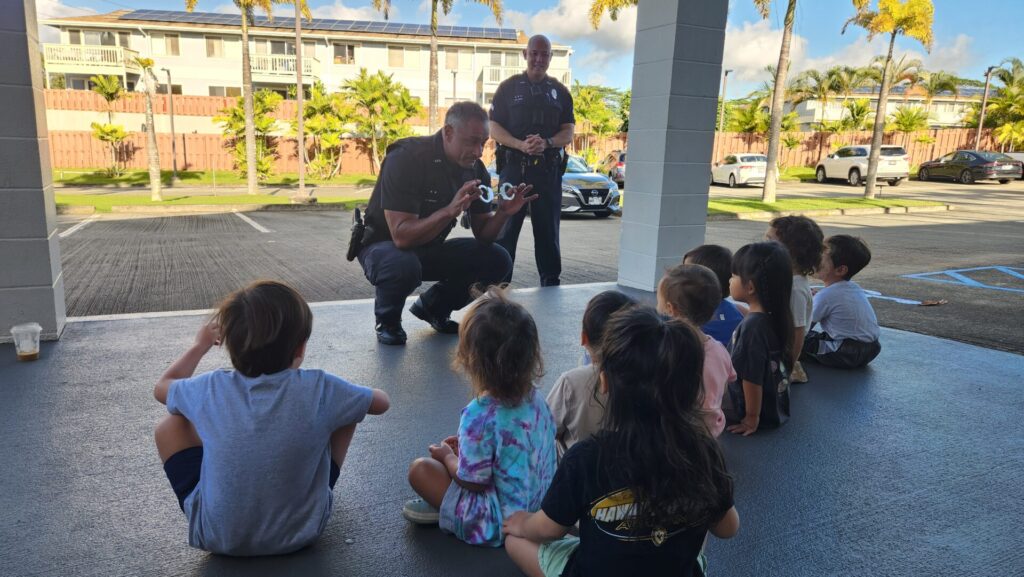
(691,292)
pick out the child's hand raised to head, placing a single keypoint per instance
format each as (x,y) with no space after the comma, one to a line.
(209,335)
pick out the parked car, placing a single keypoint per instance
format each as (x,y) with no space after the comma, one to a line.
(740,168)
(967,166)
(584,190)
(614,166)
(850,163)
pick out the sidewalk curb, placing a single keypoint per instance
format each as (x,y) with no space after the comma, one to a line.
(763,214)
(216,208)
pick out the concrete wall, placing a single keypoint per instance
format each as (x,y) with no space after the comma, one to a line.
(31,285)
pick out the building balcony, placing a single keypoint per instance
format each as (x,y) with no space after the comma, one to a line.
(88,59)
(281,68)
(492,76)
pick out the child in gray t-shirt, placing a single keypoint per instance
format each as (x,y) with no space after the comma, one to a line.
(575,400)
(253,453)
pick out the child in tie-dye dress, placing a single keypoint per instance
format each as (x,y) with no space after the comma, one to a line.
(504,455)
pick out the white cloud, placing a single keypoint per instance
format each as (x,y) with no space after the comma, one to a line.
(450,19)
(569,22)
(49,9)
(957,56)
(596,79)
(751,46)
(340,11)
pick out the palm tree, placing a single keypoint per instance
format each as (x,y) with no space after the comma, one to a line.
(815,85)
(911,18)
(858,113)
(909,119)
(152,152)
(247,9)
(382,107)
(301,10)
(1010,72)
(935,83)
(778,96)
(109,87)
(847,79)
(1011,133)
(114,135)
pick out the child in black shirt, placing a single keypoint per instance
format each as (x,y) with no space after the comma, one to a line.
(761,346)
(648,488)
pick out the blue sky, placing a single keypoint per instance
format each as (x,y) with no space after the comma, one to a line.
(969,35)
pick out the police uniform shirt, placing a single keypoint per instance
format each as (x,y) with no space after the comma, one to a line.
(523,108)
(416,177)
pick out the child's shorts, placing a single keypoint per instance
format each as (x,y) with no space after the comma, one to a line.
(555,556)
(184,467)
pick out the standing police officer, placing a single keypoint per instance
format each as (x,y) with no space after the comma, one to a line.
(425,183)
(532,121)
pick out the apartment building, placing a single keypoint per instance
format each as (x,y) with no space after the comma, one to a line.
(203,53)
(946,110)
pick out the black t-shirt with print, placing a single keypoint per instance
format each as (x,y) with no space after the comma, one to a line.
(757,356)
(593,492)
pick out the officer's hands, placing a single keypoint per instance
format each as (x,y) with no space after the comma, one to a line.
(521,196)
(465,196)
(533,145)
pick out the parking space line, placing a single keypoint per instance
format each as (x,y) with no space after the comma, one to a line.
(251,222)
(77,227)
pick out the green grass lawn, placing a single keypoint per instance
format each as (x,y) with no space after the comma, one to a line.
(739,205)
(797,173)
(103,202)
(97,177)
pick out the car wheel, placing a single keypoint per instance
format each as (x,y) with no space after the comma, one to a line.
(1004,181)
(602,214)
(732,181)
(819,175)
(922,174)
(966,177)
(896,182)
(854,178)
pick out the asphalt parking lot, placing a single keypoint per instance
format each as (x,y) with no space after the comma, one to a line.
(971,257)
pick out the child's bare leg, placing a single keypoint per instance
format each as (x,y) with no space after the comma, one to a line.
(524,553)
(340,440)
(430,480)
(173,434)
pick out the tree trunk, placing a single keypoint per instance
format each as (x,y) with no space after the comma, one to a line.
(778,107)
(876,136)
(300,137)
(152,152)
(433,121)
(247,107)
(374,155)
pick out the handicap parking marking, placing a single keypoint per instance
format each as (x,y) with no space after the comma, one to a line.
(251,222)
(877,295)
(78,226)
(957,276)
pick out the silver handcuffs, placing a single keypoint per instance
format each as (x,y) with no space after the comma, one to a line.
(487,193)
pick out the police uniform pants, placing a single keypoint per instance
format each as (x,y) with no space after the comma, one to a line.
(545,216)
(456,265)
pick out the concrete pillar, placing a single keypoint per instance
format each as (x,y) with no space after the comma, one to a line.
(31,285)
(677,67)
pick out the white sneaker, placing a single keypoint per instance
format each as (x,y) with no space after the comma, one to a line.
(420,512)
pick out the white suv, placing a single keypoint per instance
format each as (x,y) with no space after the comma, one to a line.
(850,163)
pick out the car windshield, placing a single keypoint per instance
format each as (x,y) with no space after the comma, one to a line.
(576,165)
(755,158)
(991,156)
(894,151)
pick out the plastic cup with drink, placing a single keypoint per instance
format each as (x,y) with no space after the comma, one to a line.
(26,340)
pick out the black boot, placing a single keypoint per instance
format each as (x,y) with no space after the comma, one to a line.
(390,334)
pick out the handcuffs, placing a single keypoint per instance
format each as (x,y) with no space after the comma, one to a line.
(487,193)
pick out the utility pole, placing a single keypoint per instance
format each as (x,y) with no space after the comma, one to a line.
(454,74)
(174,146)
(721,116)
(984,101)
(300,140)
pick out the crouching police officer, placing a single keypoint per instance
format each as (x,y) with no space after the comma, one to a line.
(425,184)
(532,120)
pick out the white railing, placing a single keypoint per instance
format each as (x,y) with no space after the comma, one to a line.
(279,65)
(87,55)
(496,74)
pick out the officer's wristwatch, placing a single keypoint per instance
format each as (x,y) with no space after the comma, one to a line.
(548,143)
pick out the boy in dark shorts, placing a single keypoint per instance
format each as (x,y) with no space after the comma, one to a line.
(253,453)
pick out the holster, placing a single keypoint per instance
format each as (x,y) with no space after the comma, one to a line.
(355,242)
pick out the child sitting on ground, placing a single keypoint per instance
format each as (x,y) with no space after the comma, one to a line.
(804,240)
(690,292)
(849,333)
(504,456)
(575,401)
(759,397)
(648,487)
(726,317)
(253,453)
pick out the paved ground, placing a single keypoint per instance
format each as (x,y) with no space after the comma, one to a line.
(879,472)
(121,264)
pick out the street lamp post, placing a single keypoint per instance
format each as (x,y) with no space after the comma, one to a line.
(454,74)
(984,101)
(721,116)
(174,148)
